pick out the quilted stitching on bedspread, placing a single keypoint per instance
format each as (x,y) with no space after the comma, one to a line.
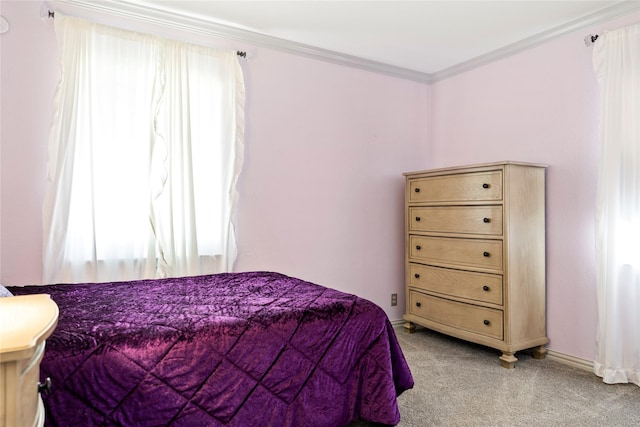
(233,349)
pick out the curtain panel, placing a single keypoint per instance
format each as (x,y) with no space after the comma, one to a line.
(145,149)
(616,60)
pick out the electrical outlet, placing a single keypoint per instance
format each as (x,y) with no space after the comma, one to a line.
(394,299)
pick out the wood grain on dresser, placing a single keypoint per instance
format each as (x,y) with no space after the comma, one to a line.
(475,255)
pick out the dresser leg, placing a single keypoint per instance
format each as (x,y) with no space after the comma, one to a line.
(409,327)
(508,360)
(539,352)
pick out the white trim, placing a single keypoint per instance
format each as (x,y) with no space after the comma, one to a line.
(569,360)
(206,26)
(396,323)
(203,25)
(606,14)
(565,359)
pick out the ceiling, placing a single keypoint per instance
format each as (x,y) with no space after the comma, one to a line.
(423,40)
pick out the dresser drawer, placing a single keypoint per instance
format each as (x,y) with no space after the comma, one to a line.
(457,187)
(485,220)
(464,284)
(480,320)
(464,253)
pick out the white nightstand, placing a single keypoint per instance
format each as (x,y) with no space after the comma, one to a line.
(25,323)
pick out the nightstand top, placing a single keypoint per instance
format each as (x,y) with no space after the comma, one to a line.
(25,321)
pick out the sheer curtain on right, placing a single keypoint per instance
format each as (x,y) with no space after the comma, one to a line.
(617,65)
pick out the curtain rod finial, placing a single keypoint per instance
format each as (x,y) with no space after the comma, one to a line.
(590,39)
(46,13)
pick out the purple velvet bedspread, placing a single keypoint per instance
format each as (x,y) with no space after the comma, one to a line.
(239,349)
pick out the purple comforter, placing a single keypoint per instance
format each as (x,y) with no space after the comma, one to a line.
(243,349)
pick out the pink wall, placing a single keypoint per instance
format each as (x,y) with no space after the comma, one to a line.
(321,191)
(29,75)
(538,106)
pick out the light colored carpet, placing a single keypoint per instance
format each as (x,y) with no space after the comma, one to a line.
(462,384)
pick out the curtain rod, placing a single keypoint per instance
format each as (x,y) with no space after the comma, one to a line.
(240,53)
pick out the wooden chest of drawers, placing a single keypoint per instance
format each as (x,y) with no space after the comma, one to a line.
(475,255)
(25,323)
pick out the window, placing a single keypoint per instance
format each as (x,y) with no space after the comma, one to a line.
(144,154)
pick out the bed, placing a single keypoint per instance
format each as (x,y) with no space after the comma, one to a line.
(235,349)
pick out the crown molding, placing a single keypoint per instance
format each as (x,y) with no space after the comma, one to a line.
(603,15)
(158,15)
(208,27)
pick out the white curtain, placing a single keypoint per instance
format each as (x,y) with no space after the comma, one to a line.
(617,65)
(145,149)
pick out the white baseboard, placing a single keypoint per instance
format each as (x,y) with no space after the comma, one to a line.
(566,359)
(395,323)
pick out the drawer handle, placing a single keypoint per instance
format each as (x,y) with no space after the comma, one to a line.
(418,304)
(417,276)
(487,323)
(418,247)
(486,254)
(486,220)
(485,288)
(418,218)
(45,387)
(417,190)
(485,185)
